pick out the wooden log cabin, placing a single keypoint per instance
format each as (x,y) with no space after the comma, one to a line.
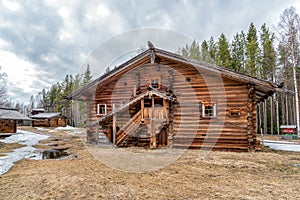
(159,99)
(48,120)
(9,118)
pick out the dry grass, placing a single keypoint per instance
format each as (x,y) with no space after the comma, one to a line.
(9,147)
(219,175)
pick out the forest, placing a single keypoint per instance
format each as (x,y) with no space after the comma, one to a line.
(268,53)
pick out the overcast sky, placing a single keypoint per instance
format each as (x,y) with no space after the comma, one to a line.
(42,41)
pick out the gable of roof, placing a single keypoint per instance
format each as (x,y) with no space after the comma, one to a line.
(45,115)
(263,88)
(11,114)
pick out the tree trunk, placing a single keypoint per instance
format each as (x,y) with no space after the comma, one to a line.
(265,117)
(297,101)
(283,109)
(271,112)
(258,118)
(287,109)
(277,112)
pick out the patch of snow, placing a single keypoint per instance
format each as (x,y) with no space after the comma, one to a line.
(22,137)
(41,129)
(76,132)
(282,145)
(69,130)
(66,128)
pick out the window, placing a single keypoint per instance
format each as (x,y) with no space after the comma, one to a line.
(158,102)
(101,109)
(187,79)
(155,83)
(147,103)
(235,113)
(209,110)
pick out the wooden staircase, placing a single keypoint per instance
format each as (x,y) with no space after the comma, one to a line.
(139,134)
(130,126)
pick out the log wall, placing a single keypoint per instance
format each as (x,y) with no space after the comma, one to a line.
(8,126)
(232,129)
(51,122)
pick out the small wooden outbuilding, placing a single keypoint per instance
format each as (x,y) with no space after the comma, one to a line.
(9,118)
(49,120)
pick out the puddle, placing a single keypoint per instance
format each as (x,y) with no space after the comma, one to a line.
(23,137)
(40,154)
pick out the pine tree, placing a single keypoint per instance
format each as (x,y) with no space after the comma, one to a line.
(212,49)
(268,57)
(195,51)
(76,82)
(87,76)
(204,52)
(185,51)
(223,54)
(252,51)
(238,47)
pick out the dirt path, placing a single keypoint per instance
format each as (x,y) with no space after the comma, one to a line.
(220,175)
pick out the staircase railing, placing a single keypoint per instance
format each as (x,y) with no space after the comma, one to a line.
(128,127)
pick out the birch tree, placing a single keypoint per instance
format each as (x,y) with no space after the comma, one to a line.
(3,87)
(289,27)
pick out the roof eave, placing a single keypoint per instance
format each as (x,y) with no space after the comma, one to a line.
(80,92)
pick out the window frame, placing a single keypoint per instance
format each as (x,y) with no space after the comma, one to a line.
(158,82)
(214,110)
(98,109)
(235,113)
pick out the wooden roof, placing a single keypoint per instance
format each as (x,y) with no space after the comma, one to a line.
(264,89)
(11,114)
(45,115)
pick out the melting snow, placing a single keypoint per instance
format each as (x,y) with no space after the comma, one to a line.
(281,145)
(41,129)
(70,130)
(66,128)
(23,137)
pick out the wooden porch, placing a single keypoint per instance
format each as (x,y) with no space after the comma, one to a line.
(143,122)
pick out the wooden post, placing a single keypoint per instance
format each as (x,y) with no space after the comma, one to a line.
(271,109)
(250,121)
(152,126)
(153,136)
(152,112)
(142,108)
(114,126)
(265,117)
(166,110)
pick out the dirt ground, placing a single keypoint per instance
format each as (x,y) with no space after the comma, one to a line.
(219,175)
